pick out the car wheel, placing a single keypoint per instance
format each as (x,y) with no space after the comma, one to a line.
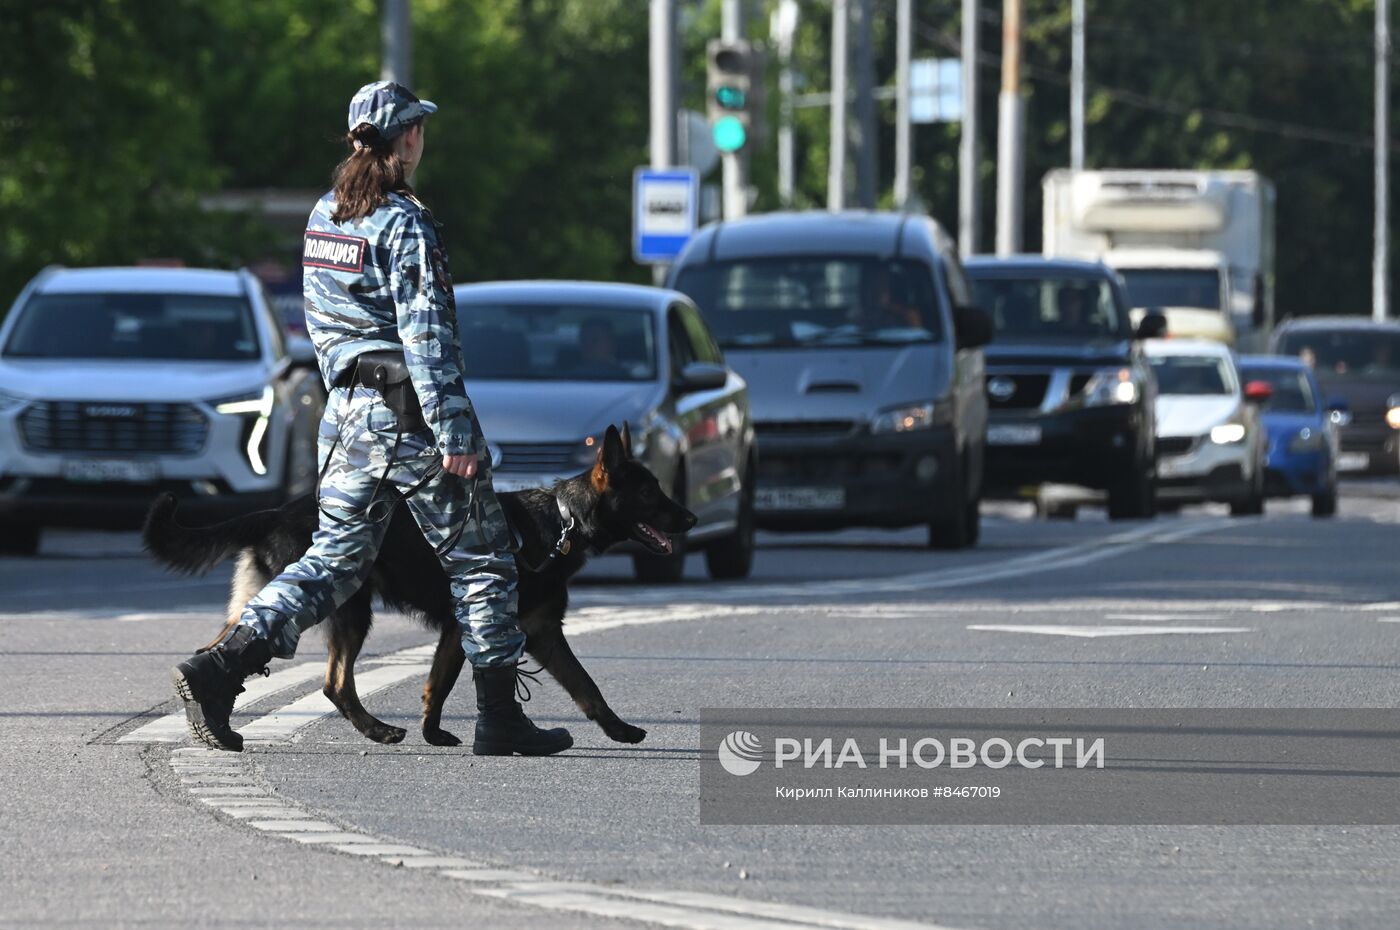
(1135,498)
(1253,505)
(19,539)
(732,557)
(1325,504)
(961,528)
(664,569)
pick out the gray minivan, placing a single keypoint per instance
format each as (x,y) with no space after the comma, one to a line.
(860,343)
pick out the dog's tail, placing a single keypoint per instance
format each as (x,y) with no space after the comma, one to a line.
(195,550)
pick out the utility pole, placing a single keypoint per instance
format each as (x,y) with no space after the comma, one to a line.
(396,35)
(836,176)
(1010,160)
(735,164)
(902,135)
(867,160)
(969,210)
(1380,265)
(1076,88)
(783,28)
(663,89)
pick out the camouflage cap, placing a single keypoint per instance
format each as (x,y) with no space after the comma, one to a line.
(388,107)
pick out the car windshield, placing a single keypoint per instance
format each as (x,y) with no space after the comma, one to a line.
(547,342)
(1075,309)
(810,301)
(1292,391)
(1173,287)
(1356,353)
(165,327)
(1192,374)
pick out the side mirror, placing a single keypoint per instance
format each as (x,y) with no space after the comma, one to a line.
(1338,411)
(701,376)
(1257,392)
(1152,326)
(973,327)
(301,351)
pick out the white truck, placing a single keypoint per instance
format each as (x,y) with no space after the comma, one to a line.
(1198,245)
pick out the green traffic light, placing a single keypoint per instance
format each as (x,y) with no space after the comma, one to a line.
(729,134)
(731,98)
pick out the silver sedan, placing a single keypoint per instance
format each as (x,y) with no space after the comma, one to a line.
(550,364)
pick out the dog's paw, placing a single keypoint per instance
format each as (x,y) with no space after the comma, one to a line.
(620,732)
(383,733)
(441,738)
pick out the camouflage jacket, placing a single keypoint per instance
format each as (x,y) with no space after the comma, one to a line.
(382,282)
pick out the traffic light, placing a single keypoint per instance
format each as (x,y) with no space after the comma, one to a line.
(734,92)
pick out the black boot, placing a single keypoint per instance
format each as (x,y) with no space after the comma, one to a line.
(501,725)
(209,682)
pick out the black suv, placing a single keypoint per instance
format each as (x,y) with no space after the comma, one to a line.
(1070,397)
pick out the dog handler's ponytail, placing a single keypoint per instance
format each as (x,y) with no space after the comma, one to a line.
(368,175)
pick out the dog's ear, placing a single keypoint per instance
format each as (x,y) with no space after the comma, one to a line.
(626,439)
(611,455)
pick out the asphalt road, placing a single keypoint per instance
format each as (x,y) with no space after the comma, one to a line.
(105,824)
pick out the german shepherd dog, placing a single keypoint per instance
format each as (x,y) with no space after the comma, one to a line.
(617,500)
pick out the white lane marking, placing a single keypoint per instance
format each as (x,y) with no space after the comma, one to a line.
(1388,619)
(171,728)
(286,721)
(1162,618)
(1048,560)
(1096,632)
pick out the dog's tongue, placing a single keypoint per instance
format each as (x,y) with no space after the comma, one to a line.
(661,538)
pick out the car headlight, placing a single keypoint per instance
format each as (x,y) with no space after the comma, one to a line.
(914,417)
(256,407)
(1392,413)
(1111,386)
(1227,433)
(1307,440)
(256,403)
(10,401)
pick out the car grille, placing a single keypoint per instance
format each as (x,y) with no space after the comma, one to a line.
(798,469)
(113,428)
(1029,393)
(804,427)
(1176,445)
(539,458)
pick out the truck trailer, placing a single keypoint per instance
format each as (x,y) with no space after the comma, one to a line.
(1197,245)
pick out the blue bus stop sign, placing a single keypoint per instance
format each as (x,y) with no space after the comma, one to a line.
(665,202)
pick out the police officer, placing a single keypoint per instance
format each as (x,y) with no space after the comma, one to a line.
(398,424)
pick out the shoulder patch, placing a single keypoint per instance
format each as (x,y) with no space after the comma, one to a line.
(330,250)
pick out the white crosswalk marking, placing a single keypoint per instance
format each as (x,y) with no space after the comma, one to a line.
(171,727)
(281,724)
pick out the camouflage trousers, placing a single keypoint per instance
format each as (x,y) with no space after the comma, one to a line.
(461,519)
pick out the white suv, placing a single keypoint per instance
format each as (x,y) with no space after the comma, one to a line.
(119,383)
(1210,443)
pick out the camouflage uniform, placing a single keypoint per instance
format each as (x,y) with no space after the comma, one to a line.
(382,282)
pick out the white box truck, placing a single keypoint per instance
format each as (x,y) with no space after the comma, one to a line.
(1199,245)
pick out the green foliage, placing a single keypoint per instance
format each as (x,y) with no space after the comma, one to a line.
(116,116)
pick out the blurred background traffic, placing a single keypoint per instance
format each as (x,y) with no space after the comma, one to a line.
(838,263)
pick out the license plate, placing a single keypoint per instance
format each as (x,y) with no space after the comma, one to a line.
(800,498)
(1168,467)
(111,470)
(1013,434)
(1353,461)
(506,485)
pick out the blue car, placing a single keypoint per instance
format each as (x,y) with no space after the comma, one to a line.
(1302,456)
